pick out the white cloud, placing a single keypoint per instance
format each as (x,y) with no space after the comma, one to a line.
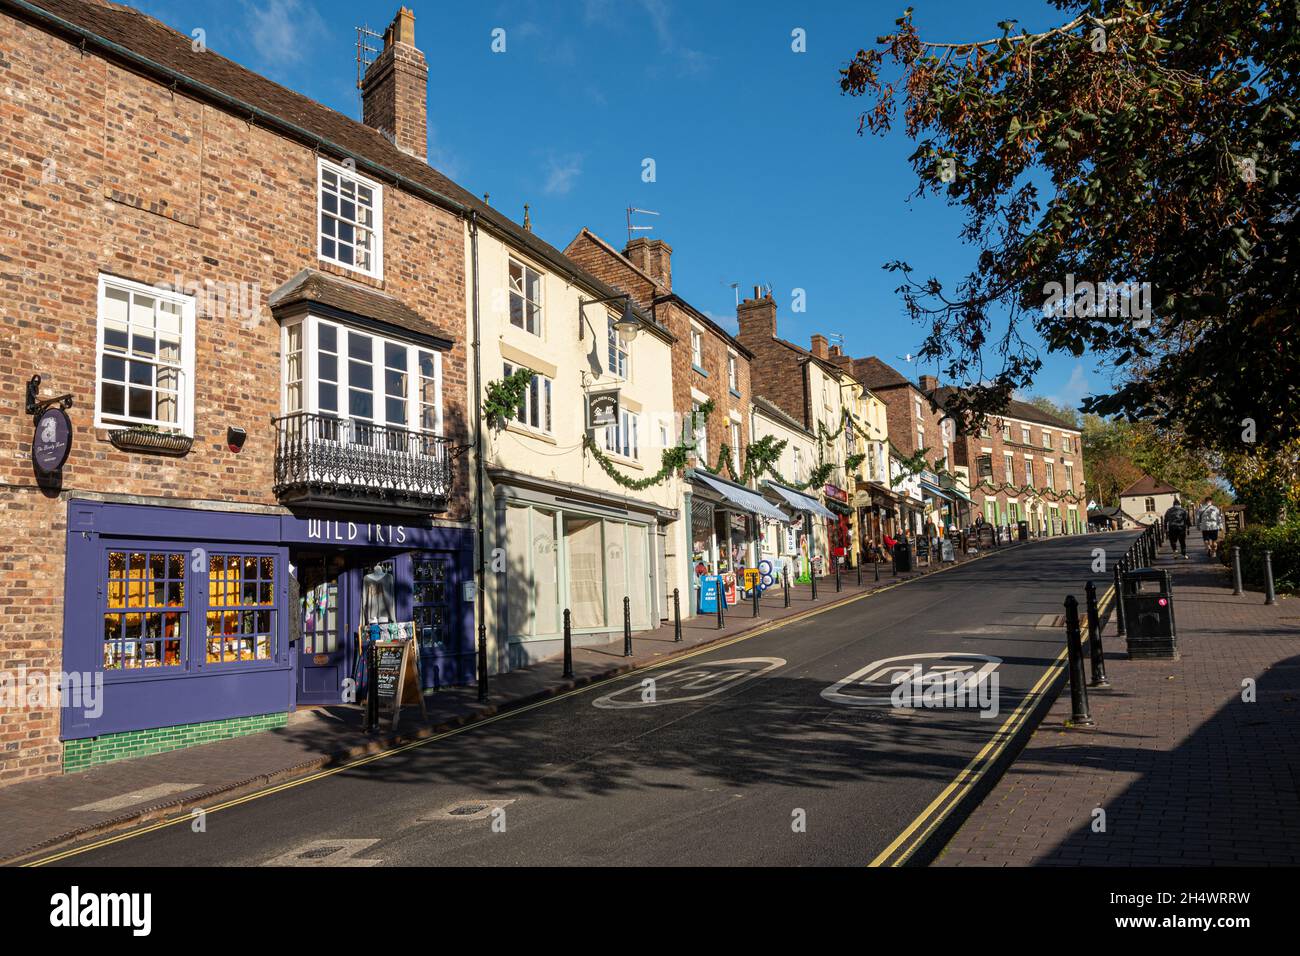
(1076,388)
(561,173)
(282,31)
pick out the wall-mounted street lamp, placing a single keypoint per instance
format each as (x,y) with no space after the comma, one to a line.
(627,324)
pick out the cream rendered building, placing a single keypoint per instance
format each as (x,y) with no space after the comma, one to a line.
(560,533)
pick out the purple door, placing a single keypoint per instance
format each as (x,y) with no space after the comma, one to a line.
(322,653)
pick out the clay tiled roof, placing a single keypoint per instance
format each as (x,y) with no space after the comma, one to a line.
(1146,485)
(1020,411)
(146,45)
(311,286)
(874,374)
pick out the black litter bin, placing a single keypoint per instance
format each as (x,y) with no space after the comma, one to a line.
(903,556)
(1149,613)
(1023,529)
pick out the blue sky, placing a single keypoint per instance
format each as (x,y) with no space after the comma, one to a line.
(761,177)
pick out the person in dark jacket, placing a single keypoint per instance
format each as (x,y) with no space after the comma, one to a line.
(1176,521)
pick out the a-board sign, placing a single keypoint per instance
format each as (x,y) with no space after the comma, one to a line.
(985,534)
(922,546)
(947,553)
(1233,519)
(396,679)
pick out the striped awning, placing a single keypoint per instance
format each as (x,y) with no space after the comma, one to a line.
(740,496)
(799,501)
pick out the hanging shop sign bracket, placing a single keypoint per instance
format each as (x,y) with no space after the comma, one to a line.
(52,440)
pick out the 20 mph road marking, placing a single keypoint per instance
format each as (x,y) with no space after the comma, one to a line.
(695,682)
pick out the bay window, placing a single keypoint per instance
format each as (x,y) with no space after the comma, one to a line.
(367,379)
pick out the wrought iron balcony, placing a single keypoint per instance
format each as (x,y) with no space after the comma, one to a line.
(326,461)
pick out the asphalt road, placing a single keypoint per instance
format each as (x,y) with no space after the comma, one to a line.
(758,761)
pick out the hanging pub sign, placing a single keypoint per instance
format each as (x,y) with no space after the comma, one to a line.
(52,441)
(602,409)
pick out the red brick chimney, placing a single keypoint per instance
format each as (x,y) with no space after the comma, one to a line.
(928,383)
(757,320)
(654,257)
(395,89)
(819,347)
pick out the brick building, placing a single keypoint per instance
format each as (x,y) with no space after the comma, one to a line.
(710,367)
(258,307)
(1024,464)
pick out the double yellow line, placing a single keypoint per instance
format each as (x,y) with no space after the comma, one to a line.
(941,807)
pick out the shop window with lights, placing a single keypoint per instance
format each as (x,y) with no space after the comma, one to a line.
(145,619)
(241,608)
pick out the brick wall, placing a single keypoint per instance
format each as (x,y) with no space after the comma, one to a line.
(1025,472)
(776,368)
(104,171)
(645,273)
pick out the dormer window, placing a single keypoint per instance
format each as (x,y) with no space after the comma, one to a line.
(351,220)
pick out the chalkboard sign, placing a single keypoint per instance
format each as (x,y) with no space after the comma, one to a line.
(985,535)
(946,554)
(396,680)
(923,546)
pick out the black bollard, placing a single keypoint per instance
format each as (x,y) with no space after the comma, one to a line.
(677,616)
(1236,570)
(1094,638)
(1079,716)
(627,627)
(837,576)
(1269,596)
(785,583)
(875,564)
(1119,599)
(859,570)
(812,576)
(568,644)
(372,699)
(894,556)
(755,594)
(722,601)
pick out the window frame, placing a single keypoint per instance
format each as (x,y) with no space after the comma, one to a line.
(311,379)
(541,388)
(376,271)
(697,348)
(733,377)
(620,352)
(539,303)
(184,423)
(623,438)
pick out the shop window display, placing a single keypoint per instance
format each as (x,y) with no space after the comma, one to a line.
(430,602)
(241,608)
(145,618)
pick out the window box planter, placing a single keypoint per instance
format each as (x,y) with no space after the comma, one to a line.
(149,440)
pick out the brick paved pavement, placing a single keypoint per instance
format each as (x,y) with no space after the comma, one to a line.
(42,814)
(1187,773)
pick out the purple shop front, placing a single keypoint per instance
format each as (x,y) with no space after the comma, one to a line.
(193,615)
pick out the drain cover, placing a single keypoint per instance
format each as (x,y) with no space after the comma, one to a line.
(472,809)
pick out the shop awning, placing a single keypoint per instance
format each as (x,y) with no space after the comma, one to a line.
(935,490)
(957,492)
(800,501)
(740,496)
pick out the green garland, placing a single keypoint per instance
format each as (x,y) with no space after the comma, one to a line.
(673,459)
(505,395)
(1051,494)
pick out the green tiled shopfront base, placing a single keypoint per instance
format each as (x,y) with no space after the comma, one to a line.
(82,754)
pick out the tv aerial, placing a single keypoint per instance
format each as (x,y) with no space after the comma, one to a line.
(632,229)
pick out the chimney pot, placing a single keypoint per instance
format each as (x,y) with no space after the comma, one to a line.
(654,257)
(395,89)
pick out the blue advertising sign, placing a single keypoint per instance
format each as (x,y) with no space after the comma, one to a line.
(710,585)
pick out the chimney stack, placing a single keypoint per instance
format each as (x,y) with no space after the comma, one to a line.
(395,89)
(819,348)
(654,257)
(757,320)
(928,383)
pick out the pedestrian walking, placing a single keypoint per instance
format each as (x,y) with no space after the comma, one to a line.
(1176,519)
(1210,523)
